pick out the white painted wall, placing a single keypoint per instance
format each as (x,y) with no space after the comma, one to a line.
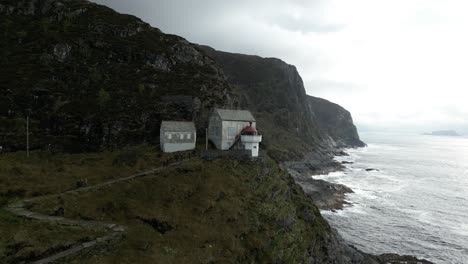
(218,131)
(251,142)
(214,130)
(175,147)
(177,141)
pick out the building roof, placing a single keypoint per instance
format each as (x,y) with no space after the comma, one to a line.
(235,115)
(176,126)
(249,129)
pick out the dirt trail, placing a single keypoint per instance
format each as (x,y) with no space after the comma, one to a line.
(114,231)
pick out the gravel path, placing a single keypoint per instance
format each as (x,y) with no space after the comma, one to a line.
(114,231)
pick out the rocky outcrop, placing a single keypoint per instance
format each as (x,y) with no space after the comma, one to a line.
(90,78)
(294,124)
(336,122)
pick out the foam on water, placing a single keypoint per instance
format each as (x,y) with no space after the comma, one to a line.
(417,203)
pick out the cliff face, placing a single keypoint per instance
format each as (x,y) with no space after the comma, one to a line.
(336,122)
(293,122)
(90,78)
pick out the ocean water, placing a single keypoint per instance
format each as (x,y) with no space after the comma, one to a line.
(416,204)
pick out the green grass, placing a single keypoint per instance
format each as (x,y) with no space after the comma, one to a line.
(44,173)
(22,240)
(221,211)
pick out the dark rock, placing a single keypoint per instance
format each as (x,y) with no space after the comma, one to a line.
(397,259)
(372,169)
(221,196)
(347,162)
(82,183)
(59,212)
(160,226)
(326,195)
(62,51)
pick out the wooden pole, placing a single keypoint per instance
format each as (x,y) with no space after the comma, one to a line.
(27,136)
(206,139)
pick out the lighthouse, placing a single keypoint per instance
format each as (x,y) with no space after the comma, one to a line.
(250,139)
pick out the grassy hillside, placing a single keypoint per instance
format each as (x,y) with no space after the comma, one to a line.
(220,211)
(22,240)
(223,211)
(45,173)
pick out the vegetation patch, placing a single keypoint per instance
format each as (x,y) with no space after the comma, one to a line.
(24,241)
(223,211)
(46,173)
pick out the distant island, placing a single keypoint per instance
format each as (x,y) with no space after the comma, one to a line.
(450,133)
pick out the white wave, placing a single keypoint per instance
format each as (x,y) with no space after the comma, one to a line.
(364,193)
(463,230)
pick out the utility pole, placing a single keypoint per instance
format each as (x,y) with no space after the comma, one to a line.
(27,135)
(206,139)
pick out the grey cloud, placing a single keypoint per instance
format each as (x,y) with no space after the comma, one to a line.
(287,30)
(305,26)
(323,86)
(187,15)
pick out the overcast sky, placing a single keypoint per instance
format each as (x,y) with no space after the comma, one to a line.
(399,64)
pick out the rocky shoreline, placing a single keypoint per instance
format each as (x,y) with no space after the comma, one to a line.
(332,196)
(326,195)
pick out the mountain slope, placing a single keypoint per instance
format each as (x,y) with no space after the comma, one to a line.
(91,78)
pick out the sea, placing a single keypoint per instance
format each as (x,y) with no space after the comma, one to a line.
(415,202)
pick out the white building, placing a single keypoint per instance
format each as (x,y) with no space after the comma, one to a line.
(250,139)
(177,136)
(226,126)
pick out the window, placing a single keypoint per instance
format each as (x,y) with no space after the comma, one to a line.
(254,147)
(189,136)
(231,132)
(169,136)
(181,136)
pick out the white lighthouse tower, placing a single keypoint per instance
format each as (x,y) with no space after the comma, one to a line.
(250,139)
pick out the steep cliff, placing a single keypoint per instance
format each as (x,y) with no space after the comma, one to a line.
(294,123)
(336,122)
(90,78)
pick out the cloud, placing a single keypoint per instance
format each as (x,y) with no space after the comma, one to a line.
(398,63)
